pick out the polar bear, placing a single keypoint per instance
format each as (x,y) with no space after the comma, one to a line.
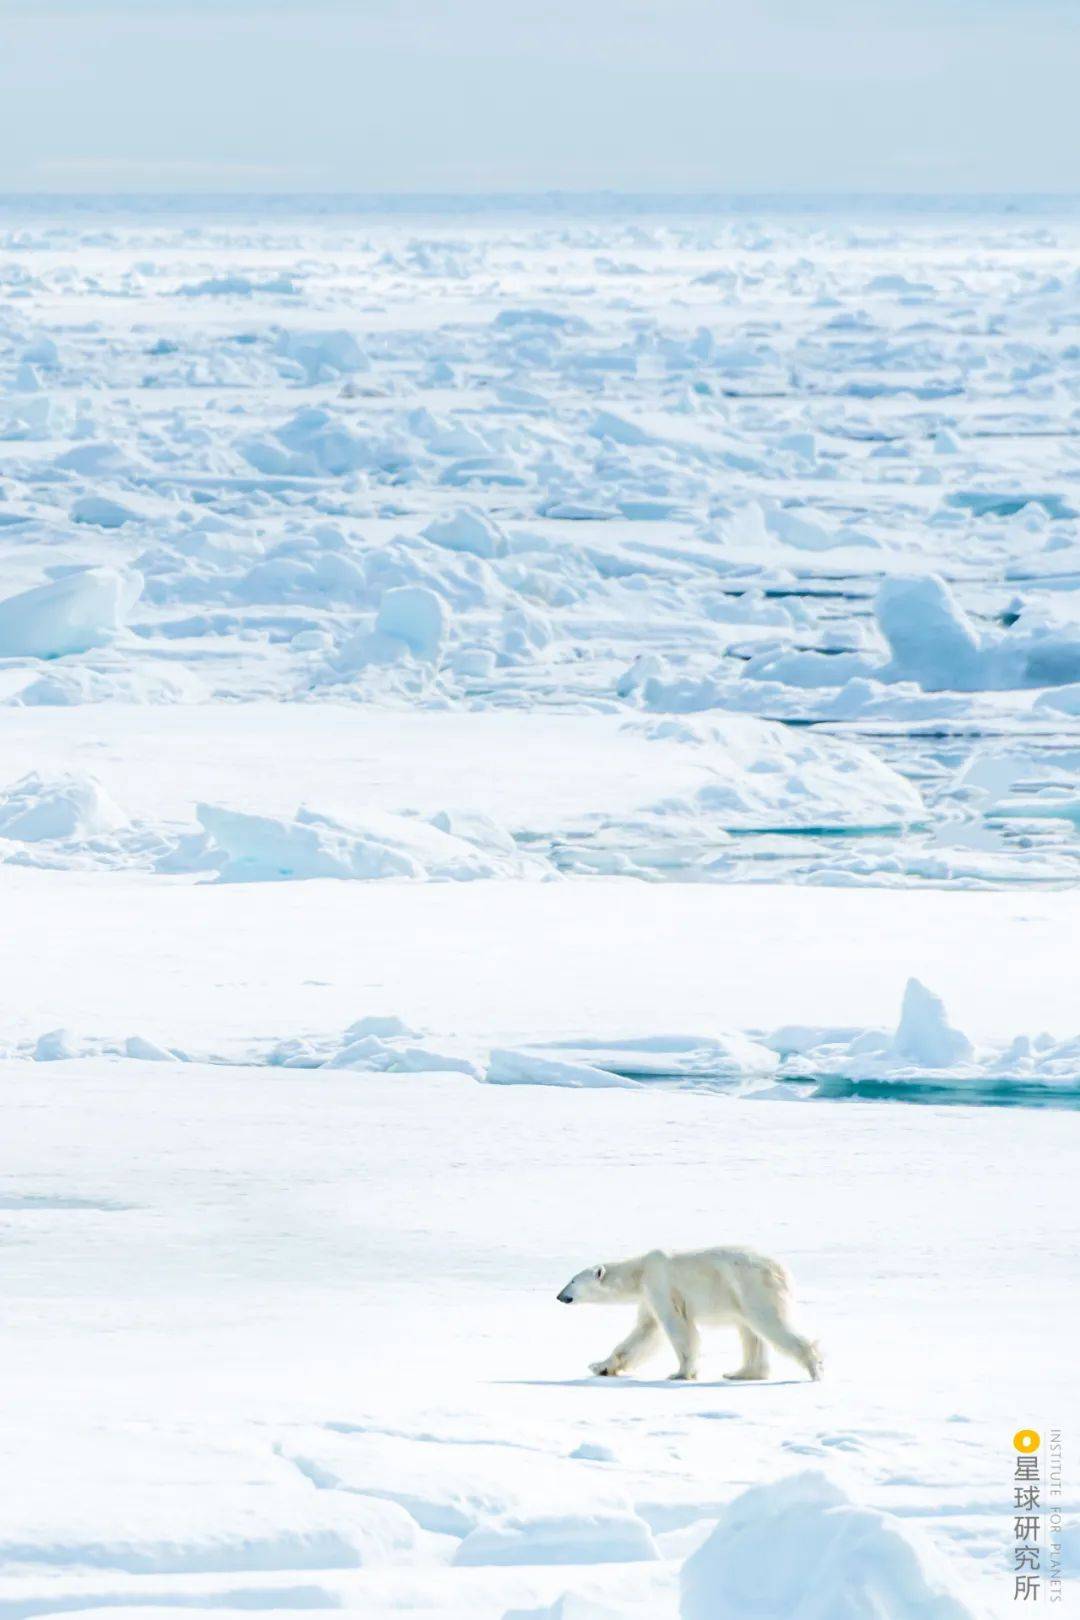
(674,1292)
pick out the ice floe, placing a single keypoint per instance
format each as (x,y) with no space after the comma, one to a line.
(923,1058)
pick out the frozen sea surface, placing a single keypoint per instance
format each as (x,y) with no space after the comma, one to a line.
(815,469)
(494,700)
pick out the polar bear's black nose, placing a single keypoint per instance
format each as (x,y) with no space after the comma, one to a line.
(565,1298)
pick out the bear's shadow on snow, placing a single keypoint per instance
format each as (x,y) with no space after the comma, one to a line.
(672,1384)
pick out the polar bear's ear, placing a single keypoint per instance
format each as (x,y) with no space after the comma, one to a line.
(599,1273)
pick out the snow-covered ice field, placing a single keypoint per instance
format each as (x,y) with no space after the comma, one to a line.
(530,735)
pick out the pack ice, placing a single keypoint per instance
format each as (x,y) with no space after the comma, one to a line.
(494,698)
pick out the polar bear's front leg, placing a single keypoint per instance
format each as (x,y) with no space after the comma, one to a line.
(639,1343)
(681,1329)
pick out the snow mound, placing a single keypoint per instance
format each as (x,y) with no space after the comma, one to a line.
(64,686)
(570,1606)
(69,615)
(596,1538)
(467,530)
(799,1549)
(101,511)
(373,844)
(759,776)
(309,444)
(72,805)
(418,617)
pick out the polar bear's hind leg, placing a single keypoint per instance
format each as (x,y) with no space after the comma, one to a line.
(768,1317)
(755,1361)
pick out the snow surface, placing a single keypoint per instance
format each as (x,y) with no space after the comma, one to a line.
(487,703)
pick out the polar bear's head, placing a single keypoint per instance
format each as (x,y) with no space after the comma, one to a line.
(590,1287)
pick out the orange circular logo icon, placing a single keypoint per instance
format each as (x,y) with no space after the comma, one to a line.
(1027,1439)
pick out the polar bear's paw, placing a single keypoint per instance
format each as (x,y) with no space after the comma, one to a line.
(685,1375)
(603,1369)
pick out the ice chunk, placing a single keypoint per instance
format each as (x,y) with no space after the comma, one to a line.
(730,1055)
(799,1549)
(931,638)
(69,615)
(796,529)
(69,805)
(925,1034)
(418,617)
(607,425)
(55,1046)
(138,1047)
(800,444)
(310,443)
(475,828)
(101,511)
(467,530)
(524,1068)
(371,1054)
(323,354)
(373,844)
(645,667)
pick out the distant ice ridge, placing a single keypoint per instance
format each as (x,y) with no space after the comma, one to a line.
(375,1044)
(935,653)
(924,1051)
(924,1054)
(529,797)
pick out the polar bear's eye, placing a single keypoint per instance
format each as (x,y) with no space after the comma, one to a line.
(599,1272)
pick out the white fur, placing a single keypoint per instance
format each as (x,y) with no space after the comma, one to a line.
(674,1292)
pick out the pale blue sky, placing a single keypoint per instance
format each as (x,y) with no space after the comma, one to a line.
(511,95)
